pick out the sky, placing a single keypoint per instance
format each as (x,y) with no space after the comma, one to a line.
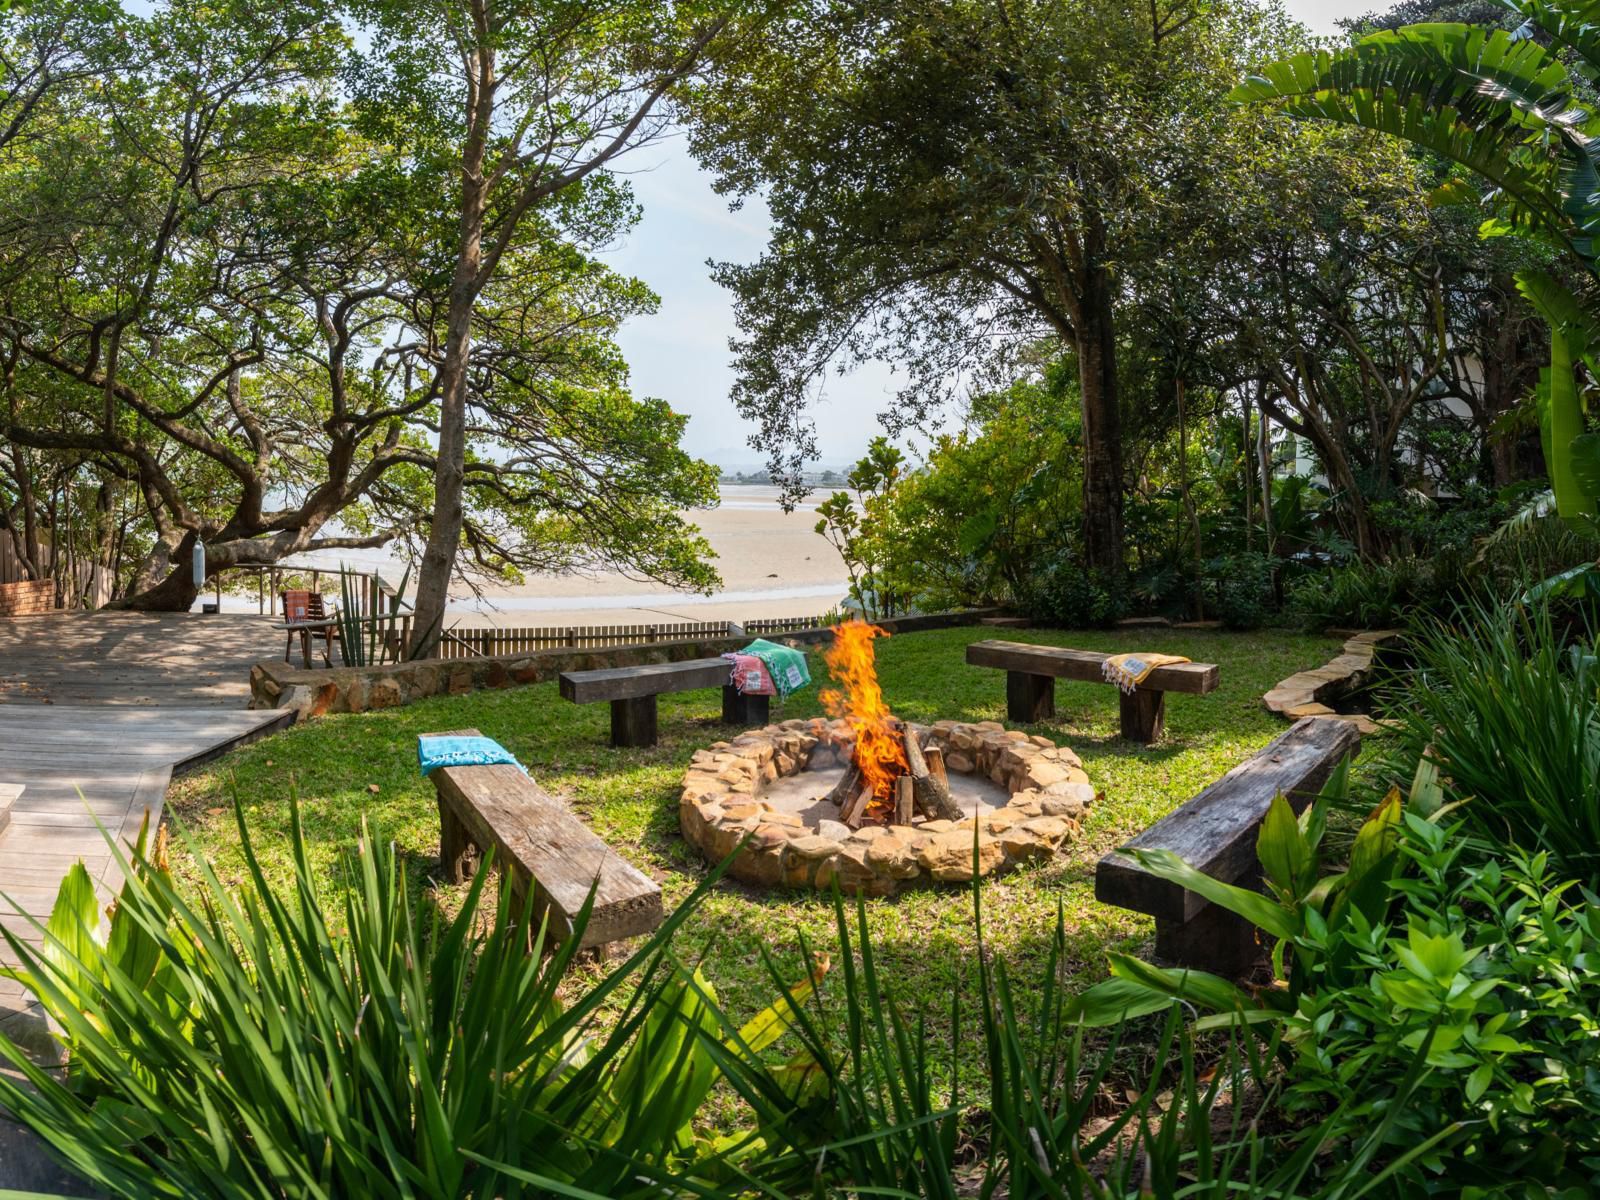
(681,353)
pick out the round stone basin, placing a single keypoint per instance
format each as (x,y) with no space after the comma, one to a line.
(763,794)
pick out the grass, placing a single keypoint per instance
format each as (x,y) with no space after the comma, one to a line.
(345,768)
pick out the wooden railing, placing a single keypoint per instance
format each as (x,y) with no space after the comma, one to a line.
(492,643)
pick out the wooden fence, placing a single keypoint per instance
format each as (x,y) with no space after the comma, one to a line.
(490,643)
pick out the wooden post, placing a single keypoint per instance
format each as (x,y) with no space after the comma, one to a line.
(633,722)
(903,804)
(458,855)
(1029,698)
(739,709)
(1143,715)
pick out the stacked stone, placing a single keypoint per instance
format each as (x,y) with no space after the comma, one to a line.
(721,807)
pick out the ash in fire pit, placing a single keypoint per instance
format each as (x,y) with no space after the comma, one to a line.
(875,803)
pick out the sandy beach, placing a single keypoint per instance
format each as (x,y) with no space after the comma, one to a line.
(773,564)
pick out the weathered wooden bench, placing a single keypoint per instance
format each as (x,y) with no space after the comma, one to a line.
(1032,671)
(632,692)
(1216,833)
(537,840)
(10,793)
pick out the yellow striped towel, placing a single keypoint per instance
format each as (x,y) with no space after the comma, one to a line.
(1128,671)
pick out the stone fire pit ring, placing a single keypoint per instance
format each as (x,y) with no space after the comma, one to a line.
(722,806)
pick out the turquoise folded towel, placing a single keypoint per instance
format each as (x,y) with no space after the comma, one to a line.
(787,666)
(462,752)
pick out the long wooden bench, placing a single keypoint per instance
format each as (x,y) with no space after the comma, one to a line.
(543,846)
(1032,671)
(1216,833)
(632,692)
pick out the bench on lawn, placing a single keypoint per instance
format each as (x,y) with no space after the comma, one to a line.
(542,845)
(1032,671)
(632,692)
(1216,833)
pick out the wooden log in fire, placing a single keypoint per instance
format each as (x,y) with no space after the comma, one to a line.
(904,800)
(856,811)
(932,795)
(849,784)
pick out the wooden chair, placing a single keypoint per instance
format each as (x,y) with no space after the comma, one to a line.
(304,607)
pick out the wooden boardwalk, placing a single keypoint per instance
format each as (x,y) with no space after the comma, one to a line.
(97,712)
(166,659)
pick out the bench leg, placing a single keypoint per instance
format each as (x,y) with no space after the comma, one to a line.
(1144,715)
(633,722)
(739,709)
(458,854)
(1029,698)
(1216,940)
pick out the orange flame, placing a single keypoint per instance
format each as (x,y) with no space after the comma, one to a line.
(879,750)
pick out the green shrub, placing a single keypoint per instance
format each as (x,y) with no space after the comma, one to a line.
(1070,595)
(1379,595)
(1509,711)
(1241,589)
(232,1046)
(1436,1017)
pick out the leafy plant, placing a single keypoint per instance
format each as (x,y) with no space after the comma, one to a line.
(1516,110)
(232,1045)
(1510,716)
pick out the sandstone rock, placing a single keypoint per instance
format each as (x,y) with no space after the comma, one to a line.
(740,811)
(939,826)
(1068,789)
(814,846)
(1001,819)
(956,761)
(385,693)
(990,727)
(788,820)
(763,867)
(1061,806)
(1022,845)
(1043,774)
(1050,829)
(837,830)
(892,857)
(868,833)
(1040,740)
(460,681)
(948,857)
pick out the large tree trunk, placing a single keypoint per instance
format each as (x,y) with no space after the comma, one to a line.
(1102,427)
(449,504)
(175,591)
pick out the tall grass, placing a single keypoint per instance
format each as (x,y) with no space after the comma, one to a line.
(1508,707)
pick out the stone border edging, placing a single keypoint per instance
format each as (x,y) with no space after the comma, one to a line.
(721,810)
(277,684)
(1304,694)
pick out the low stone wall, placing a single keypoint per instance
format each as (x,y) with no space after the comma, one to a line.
(27,598)
(1311,693)
(721,810)
(313,693)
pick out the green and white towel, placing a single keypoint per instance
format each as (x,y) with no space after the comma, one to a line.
(786,666)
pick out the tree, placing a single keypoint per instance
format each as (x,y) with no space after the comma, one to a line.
(950,181)
(229,308)
(513,109)
(1511,111)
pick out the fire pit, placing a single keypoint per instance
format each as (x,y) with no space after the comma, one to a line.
(875,803)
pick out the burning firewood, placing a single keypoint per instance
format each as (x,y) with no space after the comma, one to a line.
(849,784)
(903,800)
(855,812)
(932,793)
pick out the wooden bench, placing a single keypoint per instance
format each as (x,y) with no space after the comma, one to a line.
(1216,833)
(537,839)
(632,692)
(1032,671)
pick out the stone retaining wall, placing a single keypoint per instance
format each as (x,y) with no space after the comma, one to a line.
(1311,693)
(721,810)
(276,684)
(27,598)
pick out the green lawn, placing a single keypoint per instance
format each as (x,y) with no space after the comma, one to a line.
(345,768)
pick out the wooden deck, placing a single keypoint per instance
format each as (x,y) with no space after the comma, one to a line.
(167,659)
(97,712)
